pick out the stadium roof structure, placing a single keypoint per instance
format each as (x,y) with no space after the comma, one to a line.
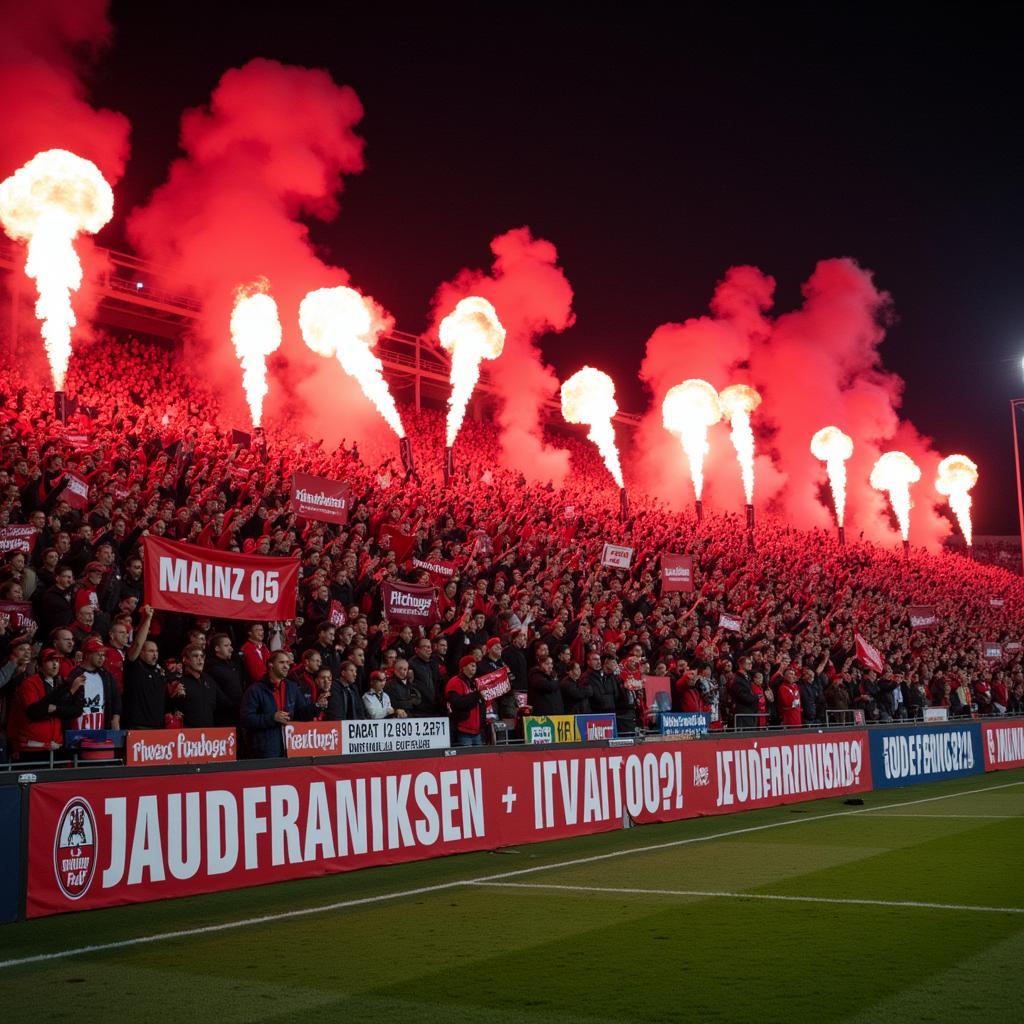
(137,295)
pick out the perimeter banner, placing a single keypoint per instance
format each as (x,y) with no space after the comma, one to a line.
(148,747)
(220,584)
(316,497)
(902,757)
(1003,745)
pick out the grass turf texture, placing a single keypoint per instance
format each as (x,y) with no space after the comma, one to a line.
(518,949)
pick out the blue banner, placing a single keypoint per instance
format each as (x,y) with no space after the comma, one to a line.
(596,727)
(902,757)
(688,724)
(10,852)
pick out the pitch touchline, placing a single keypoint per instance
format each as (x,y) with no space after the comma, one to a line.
(950,817)
(751,896)
(326,908)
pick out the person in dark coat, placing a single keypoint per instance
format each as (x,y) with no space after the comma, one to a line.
(145,684)
(425,679)
(606,694)
(330,656)
(402,694)
(271,703)
(197,692)
(56,607)
(545,695)
(576,691)
(227,675)
(346,702)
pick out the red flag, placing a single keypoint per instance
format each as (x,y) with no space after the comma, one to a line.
(76,494)
(867,655)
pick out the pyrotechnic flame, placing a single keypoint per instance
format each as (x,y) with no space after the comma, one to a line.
(471,332)
(955,477)
(46,203)
(833,447)
(256,332)
(737,402)
(341,322)
(588,396)
(895,472)
(688,410)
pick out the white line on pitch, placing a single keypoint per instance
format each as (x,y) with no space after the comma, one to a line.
(285,915)
(750,896)
(947,817)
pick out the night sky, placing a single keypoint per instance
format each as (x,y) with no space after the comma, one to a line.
(655,154)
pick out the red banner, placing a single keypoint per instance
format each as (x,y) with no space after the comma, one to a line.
(1003,745)
(76,493)
(18,538)
(316,497)
(493,684)
(409,604)
(868,655)
(731,622)
(148,747)
(221,584)
(20,612)
(312,739)
(676,573)
(129,840)
(337,616)
(922,616)
(439,570)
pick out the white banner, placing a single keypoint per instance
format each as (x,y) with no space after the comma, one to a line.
(394,735)
(617,557)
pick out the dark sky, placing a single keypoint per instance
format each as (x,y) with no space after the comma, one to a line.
(655,151)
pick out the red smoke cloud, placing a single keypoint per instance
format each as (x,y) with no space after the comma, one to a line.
(46,51)
(815,366)
(531,295)
(272,146)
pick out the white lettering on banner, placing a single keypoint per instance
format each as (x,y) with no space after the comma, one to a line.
(298,740)
(927,754)
(767,771)
(366,815)
(400,599)
(319,499)
(145,751)
(1009,744)
(639,783)
(183,576)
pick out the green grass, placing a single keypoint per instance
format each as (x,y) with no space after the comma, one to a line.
(491,953)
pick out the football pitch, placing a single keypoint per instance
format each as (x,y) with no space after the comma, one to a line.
(909,908)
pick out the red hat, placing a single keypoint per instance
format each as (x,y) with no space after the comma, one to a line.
(47,653)
(492,642)
(92,645)
(95,567)
(467,660)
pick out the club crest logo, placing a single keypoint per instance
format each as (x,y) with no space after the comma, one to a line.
(75,852)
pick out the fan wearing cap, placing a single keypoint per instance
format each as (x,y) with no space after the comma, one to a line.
(102,708)
(465,705)
(92,580)
(42,705)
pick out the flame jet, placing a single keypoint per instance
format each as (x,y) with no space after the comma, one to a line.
(46,203)
(831,446)
(689,410)
(341,322)
(894,472)
(470,333)
(256,333)
(955,477)
(737,402)
(588,397)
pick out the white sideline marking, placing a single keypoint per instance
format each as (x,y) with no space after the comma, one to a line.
(753,896)
(285,915)
(996,817)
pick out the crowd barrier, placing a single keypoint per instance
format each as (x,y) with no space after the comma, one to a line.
(107,837)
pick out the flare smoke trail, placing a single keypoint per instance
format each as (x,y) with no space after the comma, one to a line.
(894,472)
(531,295)
(831,446)
(588,396)
(954,478)
(256,333)
(689,410)
(738,402)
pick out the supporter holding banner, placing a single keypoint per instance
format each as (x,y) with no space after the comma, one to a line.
(996,602)
(336,615)
(616,557)
(316,497)
(922,616)
(76,493)
(409,604)
(868,655)
(730,622)
(493,685)
(19,615)
(991,650)
(218,584)
(676,573)
(18,538)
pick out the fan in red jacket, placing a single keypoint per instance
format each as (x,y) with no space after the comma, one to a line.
(790,711)
(42,704)
(255,653)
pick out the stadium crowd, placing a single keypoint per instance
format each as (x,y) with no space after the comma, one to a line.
(80,648)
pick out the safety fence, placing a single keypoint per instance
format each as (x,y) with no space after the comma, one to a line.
(110,836)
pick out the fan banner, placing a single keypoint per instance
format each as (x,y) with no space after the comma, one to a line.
(922,616)
(409,604)
(676,573)
(614,556)
(316,497)
(219,584)
(18,538)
